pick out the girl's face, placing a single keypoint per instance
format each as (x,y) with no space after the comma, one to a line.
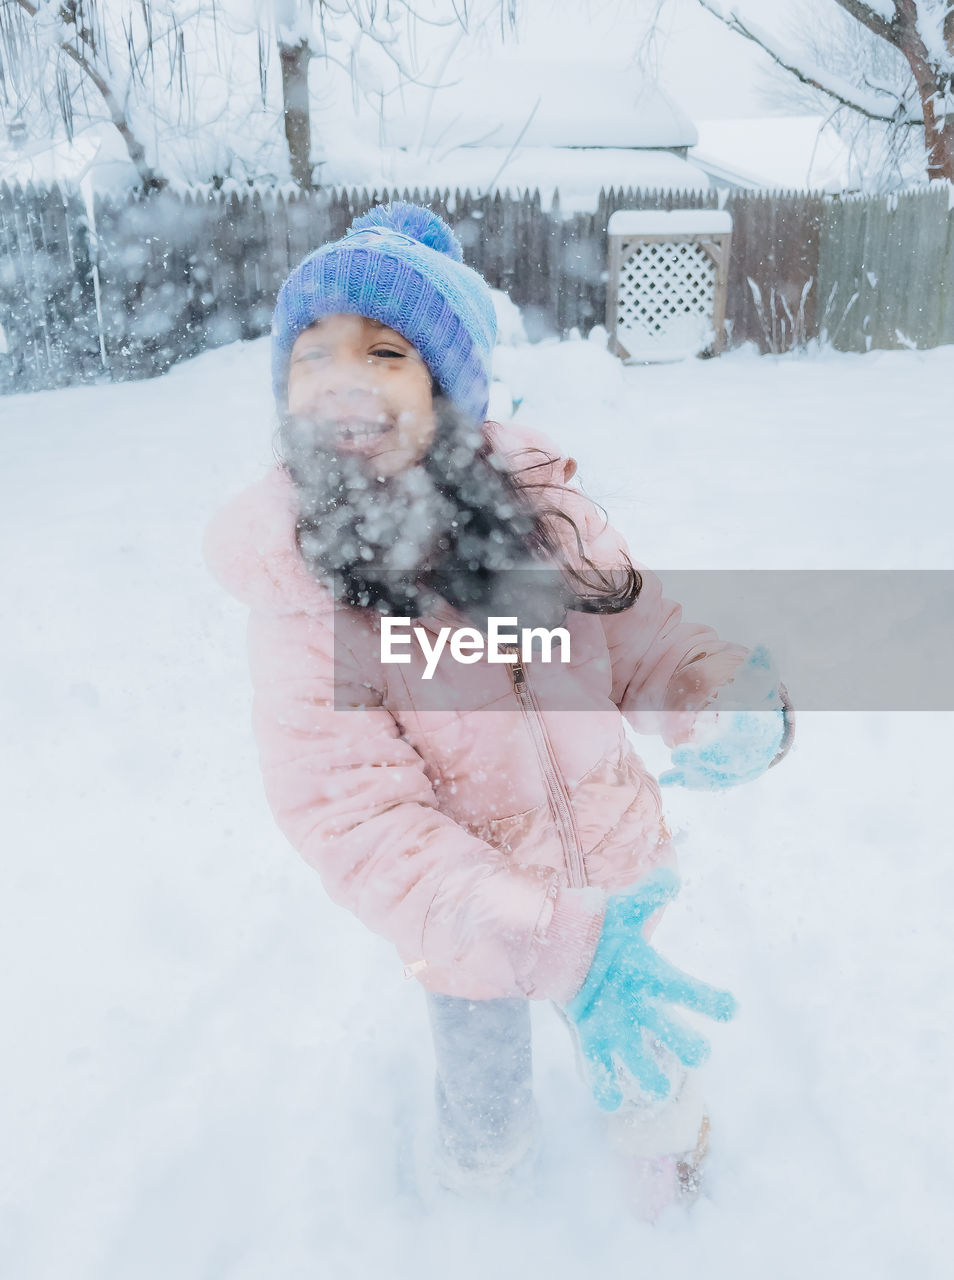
(367,390)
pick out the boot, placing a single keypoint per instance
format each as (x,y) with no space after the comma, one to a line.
(509,1174)
(658,1183)
(660,1151)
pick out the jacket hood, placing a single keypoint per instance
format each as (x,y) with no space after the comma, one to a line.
(249,544)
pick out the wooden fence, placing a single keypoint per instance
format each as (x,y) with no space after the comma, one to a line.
(163,276)
(49,331)
(886,271)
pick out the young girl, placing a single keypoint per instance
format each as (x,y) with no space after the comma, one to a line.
(479,806)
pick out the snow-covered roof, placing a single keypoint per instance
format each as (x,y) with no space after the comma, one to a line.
(795,152)
(97,161)
(544,104)
(578,174)
(676,222)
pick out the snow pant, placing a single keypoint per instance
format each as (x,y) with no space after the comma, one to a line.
(486,1115)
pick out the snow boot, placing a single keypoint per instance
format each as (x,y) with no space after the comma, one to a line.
(658,1183)
(660,1150)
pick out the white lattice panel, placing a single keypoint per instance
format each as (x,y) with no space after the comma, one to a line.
(664,301)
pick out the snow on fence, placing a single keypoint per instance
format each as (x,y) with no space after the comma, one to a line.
(127,288)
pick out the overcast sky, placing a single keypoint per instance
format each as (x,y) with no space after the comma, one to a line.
(708,69)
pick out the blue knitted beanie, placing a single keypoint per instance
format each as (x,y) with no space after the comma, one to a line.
(402,265)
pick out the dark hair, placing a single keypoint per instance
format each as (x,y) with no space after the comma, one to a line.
(487,522)
(602,594)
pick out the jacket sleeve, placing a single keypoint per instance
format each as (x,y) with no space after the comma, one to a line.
(352,795)
(664,669)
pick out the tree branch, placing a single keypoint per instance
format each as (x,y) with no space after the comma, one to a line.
(118,117)
(873,21)
(841,91)
(68,17)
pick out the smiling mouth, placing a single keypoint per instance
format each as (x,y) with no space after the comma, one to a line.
(362,431)
(358,435)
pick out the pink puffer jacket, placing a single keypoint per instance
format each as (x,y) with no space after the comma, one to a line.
(481,841)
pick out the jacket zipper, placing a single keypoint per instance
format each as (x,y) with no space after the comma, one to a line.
(561,806)
(558,797)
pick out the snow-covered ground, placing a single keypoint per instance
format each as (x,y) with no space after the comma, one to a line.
(210,1071)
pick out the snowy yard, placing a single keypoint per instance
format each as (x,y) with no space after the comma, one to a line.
(210,1071)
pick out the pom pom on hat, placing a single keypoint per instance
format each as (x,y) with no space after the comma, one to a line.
(415,222)
(402,265)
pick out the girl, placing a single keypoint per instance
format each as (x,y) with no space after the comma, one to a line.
(482,808)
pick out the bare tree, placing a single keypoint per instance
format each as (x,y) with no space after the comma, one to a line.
(148,67)
(883,157)
(922,31)
(342,32)
(293,34)
(33,31)
(148,62)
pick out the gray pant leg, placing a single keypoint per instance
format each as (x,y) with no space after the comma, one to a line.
(483,1089)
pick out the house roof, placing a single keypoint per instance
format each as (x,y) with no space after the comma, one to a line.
(577,174)
(781,152)
(97,161)
(543,104)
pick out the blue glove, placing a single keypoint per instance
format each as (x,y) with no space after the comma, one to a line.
(624,996)
(747,734)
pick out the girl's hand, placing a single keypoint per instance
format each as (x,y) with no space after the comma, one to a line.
(739,735)
(624,997)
